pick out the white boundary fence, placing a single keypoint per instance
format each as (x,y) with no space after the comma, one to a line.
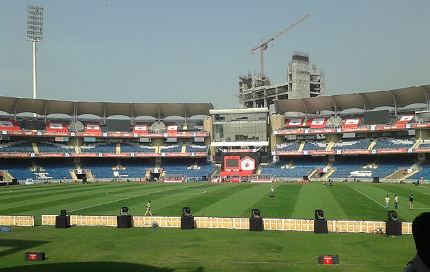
(17,220)
(278,224)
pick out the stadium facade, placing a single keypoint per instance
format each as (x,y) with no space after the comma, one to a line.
(377,136)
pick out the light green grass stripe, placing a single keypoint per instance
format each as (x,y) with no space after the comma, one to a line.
(160,201)
(314,196)
(239,203)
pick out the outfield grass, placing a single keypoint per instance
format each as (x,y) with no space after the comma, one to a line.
(162,249)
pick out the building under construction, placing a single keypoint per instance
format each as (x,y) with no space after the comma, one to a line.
(303,81)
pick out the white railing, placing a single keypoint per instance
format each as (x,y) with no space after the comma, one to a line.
(17,220)
(279,224)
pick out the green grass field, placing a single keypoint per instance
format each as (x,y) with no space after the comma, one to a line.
(162,249)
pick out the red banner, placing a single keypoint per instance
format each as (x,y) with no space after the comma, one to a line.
(120,134)
(94,129)
(322,152)
(112,155)
(355,129)
(55,133)
(87,155)
(317,122)
(287,132)
(12,155)
(421,150)
(405,119)
(287,153)
(390,151)
(319,131)
(50,155)
(147,154)
(199,154)
(172,129)
(294,122)
(140,128)
(392,127)
(57,127)
(356,151)
(351,122)
(420,125)
(173,154)
(9,125)
(88,134)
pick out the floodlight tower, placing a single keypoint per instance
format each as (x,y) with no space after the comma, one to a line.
(34,34)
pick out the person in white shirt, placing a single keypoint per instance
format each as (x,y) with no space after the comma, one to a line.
(396,201)
(387,202)
(148,208)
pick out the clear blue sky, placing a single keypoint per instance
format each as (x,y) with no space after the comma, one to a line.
(194,51)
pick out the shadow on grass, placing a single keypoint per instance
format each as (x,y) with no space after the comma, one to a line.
(92,267)
(17,246)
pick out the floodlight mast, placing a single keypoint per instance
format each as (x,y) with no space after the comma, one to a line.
(34,34)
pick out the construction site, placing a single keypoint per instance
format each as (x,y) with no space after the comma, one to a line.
(303,80)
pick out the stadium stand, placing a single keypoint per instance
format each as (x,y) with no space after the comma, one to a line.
(137,148)
(196,148)
(296,168)
(54,148)
(53,169)
(368,166)
(349,144)
(390,143)
(99,148)
(191,169)
(322,143)
(288,146)
(19,169)
(16,147)
(315,145)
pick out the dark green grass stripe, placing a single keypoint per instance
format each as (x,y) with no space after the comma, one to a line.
(58,191)
(280,206)
(78,189)
(53,188)
(215,193)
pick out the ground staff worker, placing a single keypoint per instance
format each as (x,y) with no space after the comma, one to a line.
(148,208)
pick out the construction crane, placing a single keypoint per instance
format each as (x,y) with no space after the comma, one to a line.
(262,45)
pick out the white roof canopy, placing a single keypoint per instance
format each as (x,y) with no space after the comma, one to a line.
(367,101)
(16,105)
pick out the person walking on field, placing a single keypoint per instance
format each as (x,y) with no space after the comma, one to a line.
(148,208)
(396,201)
(411,202)
(387,201)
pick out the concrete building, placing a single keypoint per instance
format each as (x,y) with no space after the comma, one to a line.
(303,81)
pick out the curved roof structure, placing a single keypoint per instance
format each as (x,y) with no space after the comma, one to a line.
(16,105)
(397,98)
